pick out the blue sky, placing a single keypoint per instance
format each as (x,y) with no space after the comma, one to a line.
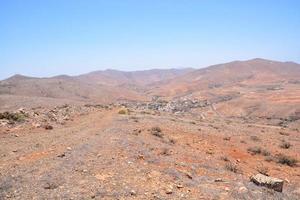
(50,37)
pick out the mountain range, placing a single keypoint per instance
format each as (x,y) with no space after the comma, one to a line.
(248,86)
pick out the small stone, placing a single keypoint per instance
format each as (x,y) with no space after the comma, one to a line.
(132,192)
(61,155)
(169,191)
(48,127)
(50,186)
(243,190)
(36,125)
(179,186)
(69,148)
(21,110)
(189,175)
(219,180)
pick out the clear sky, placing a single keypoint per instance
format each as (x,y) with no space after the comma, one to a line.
(50,37)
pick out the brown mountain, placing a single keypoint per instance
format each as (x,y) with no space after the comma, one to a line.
(253,87)
(139,78)
(239,88)
(101,86)
(256,72)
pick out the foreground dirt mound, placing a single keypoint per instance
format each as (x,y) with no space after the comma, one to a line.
(99,152)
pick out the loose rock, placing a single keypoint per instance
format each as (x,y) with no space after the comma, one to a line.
(269,182)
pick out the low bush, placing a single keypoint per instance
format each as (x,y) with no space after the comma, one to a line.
(258,150)
(254,138)
(156,131)
(231,167)
(285,145)
(254,150)
(224,158)
(286,160)
(263,170)
(123,112)
(15,117)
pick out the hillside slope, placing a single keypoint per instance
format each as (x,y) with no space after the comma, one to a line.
(101,86)
(256,72)
(255,87)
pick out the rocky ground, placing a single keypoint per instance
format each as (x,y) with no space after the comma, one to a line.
(166,150)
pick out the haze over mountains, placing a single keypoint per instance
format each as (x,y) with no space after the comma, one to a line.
(243,84)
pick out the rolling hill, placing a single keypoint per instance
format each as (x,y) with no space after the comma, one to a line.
(255,87)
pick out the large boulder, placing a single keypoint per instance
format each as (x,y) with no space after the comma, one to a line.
(269,182)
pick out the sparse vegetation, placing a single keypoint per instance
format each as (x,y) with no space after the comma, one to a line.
(165,152)
(187,131)
(263,170)
(254,150)
(265,152)
(13,117)
(135,119)
(156,131)
(172,141)
(255,138)
(224,158)
(283,133)
(269,159)
(123,112)
(258,150)
(209,151)
(285,145)
(231,167)
(48,127)
(286,160)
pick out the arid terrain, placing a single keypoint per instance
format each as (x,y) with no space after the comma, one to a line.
(155,134)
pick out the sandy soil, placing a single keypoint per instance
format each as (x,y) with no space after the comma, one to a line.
(105,155)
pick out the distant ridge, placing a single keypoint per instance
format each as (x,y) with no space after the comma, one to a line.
(269,86)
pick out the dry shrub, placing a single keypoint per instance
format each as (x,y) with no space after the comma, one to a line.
(254,150)
(254,138)
(263,170)
(231,167)
(48,127)
(123,112)
(14,117)
(258,150)
(224,158)
(286,160)
(156,131)
(269,158)
(285,145)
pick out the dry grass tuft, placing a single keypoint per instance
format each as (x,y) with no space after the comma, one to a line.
(231,167)
(156,131)
(285,145)
(286,160)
